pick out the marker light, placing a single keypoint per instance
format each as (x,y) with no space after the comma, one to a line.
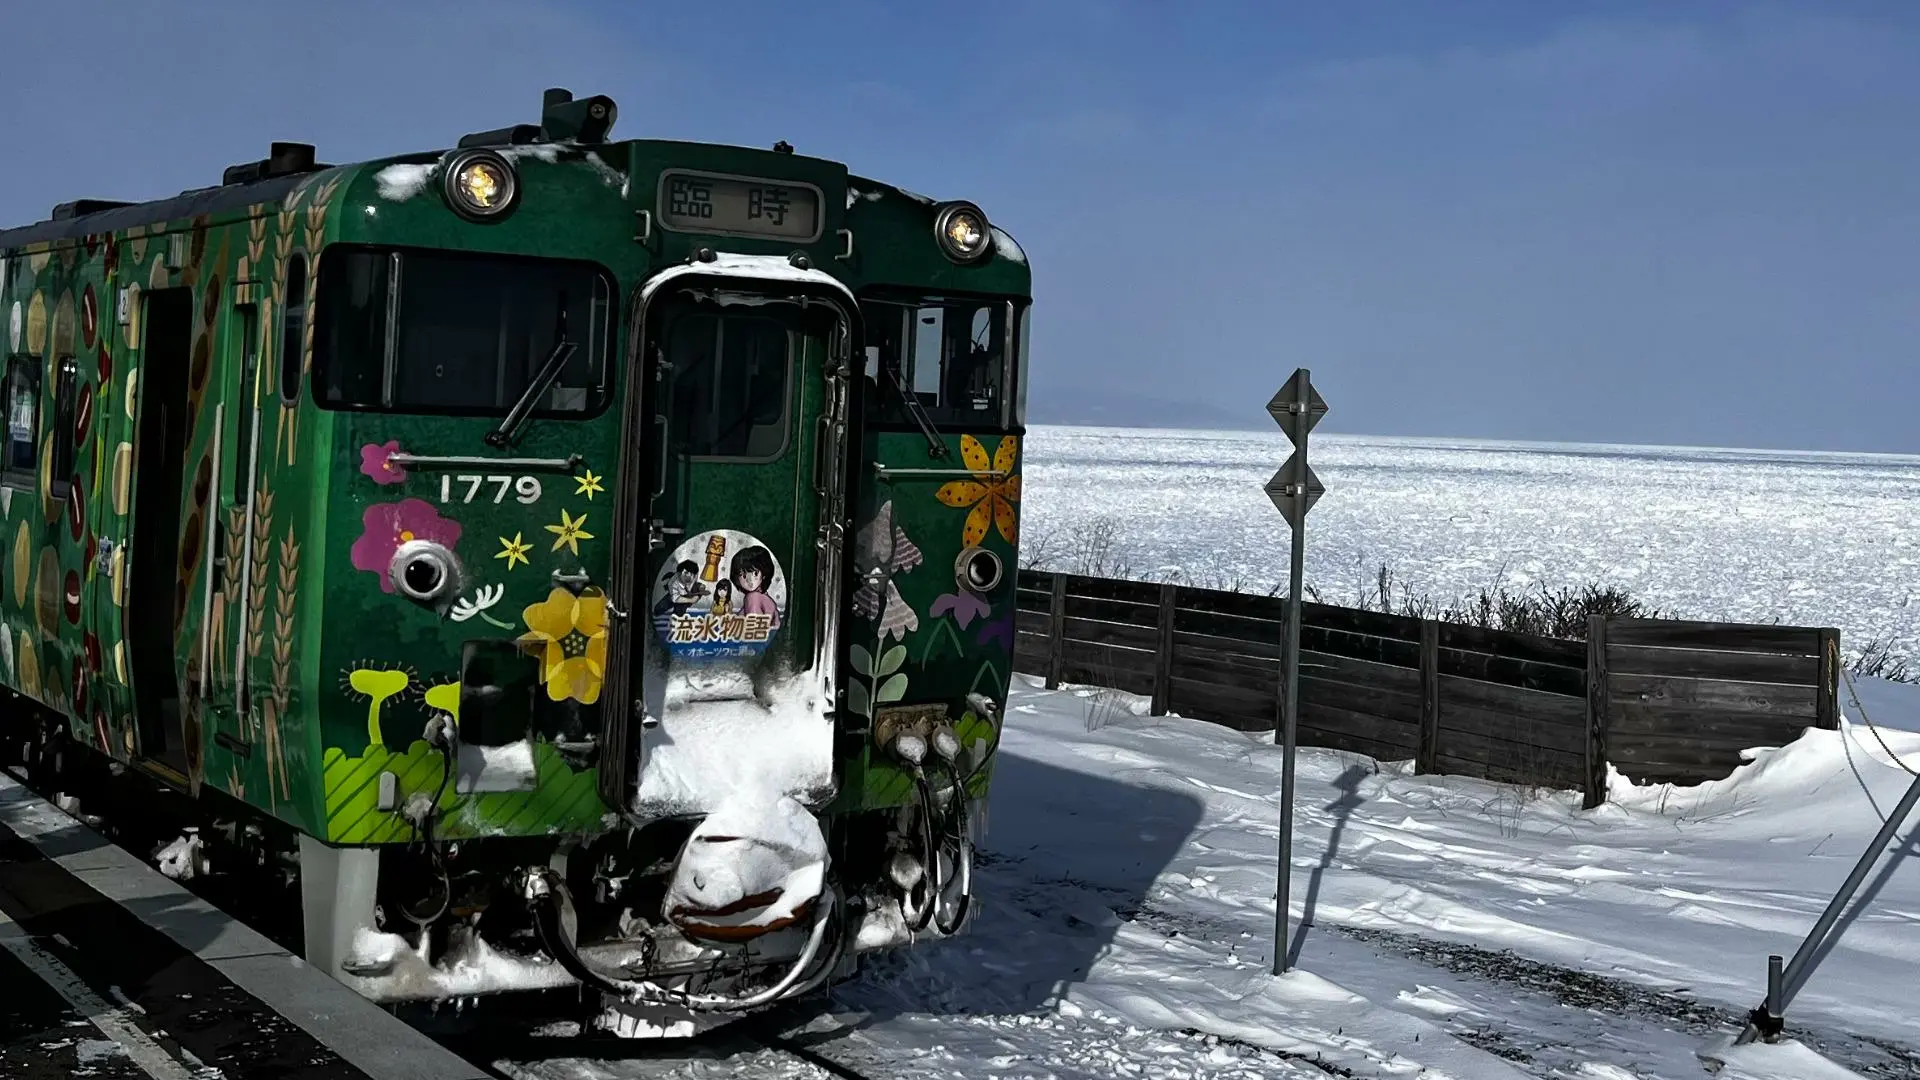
(480,184)
(963,232)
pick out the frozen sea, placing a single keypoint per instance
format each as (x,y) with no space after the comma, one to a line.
(1814,539)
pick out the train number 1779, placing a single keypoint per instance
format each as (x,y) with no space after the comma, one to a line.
(525,489)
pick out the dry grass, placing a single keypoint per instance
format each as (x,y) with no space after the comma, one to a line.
(1099,702)
(1545,612)
(1877,660)
(1540,610)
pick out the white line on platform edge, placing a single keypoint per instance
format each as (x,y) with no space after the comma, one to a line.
(112,1020)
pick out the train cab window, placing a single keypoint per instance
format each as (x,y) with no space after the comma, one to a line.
(953,356)
(459,334)
(731,383)
(1020,367)
(21,468)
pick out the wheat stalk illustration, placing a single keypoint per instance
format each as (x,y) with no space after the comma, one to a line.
(227,590)
(256,243)
(287,589)
(276,760)
(257,579)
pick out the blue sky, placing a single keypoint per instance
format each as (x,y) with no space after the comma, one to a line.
(1675,223)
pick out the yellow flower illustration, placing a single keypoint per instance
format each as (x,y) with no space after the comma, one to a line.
(570,634)
(992,493)
(514,550)
(569,533)
(588,485)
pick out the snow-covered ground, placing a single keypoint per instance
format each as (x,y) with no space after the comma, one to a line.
(1458,928)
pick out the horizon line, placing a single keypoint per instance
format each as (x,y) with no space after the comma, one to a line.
(1509,443)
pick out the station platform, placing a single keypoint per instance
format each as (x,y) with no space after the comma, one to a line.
(111,970)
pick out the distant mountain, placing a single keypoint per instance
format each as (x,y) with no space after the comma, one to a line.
(1107,407)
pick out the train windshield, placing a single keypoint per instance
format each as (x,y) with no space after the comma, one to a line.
(954,357)
(453,333)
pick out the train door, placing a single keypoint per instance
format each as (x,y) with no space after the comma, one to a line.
(734,600)
(227,597)
(162,425)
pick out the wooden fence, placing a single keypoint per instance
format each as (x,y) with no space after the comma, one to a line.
(1661,700)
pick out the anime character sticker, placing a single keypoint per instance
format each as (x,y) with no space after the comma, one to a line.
(720,595)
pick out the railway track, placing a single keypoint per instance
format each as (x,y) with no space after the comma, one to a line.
(792,1047)
(524,1039)
(507,1055)
(760,1046)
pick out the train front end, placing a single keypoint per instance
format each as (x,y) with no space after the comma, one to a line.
(675,493)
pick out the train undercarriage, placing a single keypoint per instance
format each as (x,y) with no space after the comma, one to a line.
(602,923)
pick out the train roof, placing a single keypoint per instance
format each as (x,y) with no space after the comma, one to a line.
(562,120)
(74,221)
(247,184)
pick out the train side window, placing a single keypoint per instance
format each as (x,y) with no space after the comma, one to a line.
(732,381)
(65,389)
(21,469)
(953,356)
(293,328)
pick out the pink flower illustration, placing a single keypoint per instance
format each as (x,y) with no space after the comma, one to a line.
(374,462)
(388,525)
(965,606)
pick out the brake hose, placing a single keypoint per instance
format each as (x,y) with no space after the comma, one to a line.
(446,737)
(931,857)
(962,861)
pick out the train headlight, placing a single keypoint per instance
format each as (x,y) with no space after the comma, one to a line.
(978,570)
(963,232)
(480,184)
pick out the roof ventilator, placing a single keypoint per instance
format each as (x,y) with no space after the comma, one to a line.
(66,211)
(283,159)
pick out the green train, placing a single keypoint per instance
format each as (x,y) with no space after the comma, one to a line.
(583,563)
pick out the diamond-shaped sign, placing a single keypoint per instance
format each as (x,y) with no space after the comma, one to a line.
(1283,408)
(1289,503)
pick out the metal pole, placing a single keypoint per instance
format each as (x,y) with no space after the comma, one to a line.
(1290,703)
(1800,968)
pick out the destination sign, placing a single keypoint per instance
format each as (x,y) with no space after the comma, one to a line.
(739,206)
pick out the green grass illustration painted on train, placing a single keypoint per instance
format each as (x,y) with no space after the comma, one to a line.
(589,562)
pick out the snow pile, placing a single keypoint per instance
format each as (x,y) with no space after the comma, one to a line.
(1125,917)
(1130,879)
(760,268)
(752,863)
(711,750)
(1781,1061)
(184,858)
(390,969)
(547,152)
(398,183)
(610,176)
(1827,777)
(495,768)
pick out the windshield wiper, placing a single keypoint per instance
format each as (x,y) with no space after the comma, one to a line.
(936,445)
(516,417)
